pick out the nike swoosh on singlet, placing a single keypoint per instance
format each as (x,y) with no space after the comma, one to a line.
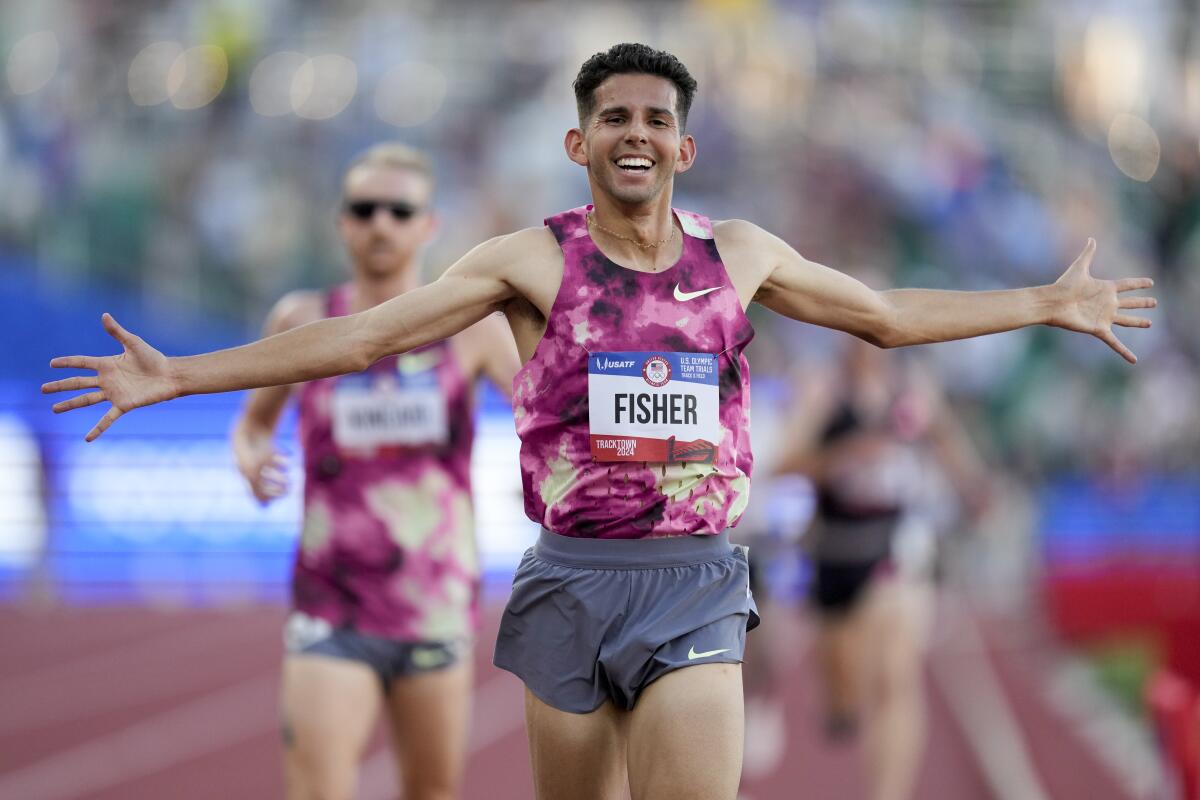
(683,297)
(693,655)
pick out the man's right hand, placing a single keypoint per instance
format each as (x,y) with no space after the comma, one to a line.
(139,376)
(263,467)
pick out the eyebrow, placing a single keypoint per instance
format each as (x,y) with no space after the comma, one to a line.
(654,111)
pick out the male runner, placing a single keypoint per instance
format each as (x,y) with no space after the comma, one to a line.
(630,319)
(385,582)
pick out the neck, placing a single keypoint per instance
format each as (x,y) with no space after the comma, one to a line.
(625,229)
(644,222)
(371,289)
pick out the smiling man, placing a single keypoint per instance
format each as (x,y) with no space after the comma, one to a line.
(628,617)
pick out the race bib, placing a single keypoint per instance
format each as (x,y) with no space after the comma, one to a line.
(372,411)
(653,406)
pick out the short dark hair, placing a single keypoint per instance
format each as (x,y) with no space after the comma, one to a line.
(624,59)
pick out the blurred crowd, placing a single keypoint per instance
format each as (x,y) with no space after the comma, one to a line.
(190,152)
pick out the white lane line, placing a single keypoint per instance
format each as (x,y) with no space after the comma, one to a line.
(215,721)
(976,699)
(1117,740)
(134,673)
(60,636)
(497,709)
(111,658)
(206,725)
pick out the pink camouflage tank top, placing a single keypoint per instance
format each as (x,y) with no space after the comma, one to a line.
(388,545)
(633,412)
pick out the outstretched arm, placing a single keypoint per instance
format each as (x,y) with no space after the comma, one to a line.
(807,291)
(475,286)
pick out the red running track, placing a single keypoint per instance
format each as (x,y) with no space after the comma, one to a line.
(133,704)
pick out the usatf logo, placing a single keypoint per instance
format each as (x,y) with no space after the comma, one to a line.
(656,371)
(606,363)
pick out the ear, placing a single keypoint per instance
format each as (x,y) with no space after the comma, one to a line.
(574,145)
(687,153)
(432,223)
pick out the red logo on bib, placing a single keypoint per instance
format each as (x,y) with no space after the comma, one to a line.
(656,371)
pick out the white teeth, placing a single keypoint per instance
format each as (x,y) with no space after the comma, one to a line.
(630,161)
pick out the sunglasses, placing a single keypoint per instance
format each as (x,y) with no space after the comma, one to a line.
(365,209)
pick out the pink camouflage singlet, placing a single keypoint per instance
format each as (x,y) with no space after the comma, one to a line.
(633,412)
(388,545)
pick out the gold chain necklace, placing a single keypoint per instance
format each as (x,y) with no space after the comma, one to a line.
(592,221)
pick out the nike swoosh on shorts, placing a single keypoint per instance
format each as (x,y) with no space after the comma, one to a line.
(693,655)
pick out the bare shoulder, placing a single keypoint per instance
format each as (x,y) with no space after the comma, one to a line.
(737,232)
(739,239)
(519,248)
(295,309)
(527,264)
(749,253)
(537,239)
(741,234)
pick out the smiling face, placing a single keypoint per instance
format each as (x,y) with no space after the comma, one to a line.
(632,144)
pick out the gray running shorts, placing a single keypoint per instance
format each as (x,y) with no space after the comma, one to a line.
(389,659)
(591,620)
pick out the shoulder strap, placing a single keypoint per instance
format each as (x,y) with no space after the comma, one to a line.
(569,225)
(695,225)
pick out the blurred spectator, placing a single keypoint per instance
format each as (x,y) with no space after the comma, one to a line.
(183,152)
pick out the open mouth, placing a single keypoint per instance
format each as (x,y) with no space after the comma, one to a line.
(634,165)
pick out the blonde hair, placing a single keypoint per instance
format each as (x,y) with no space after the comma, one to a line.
(393,155)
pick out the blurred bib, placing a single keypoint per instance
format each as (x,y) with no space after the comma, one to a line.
(653,406)
(405,408)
